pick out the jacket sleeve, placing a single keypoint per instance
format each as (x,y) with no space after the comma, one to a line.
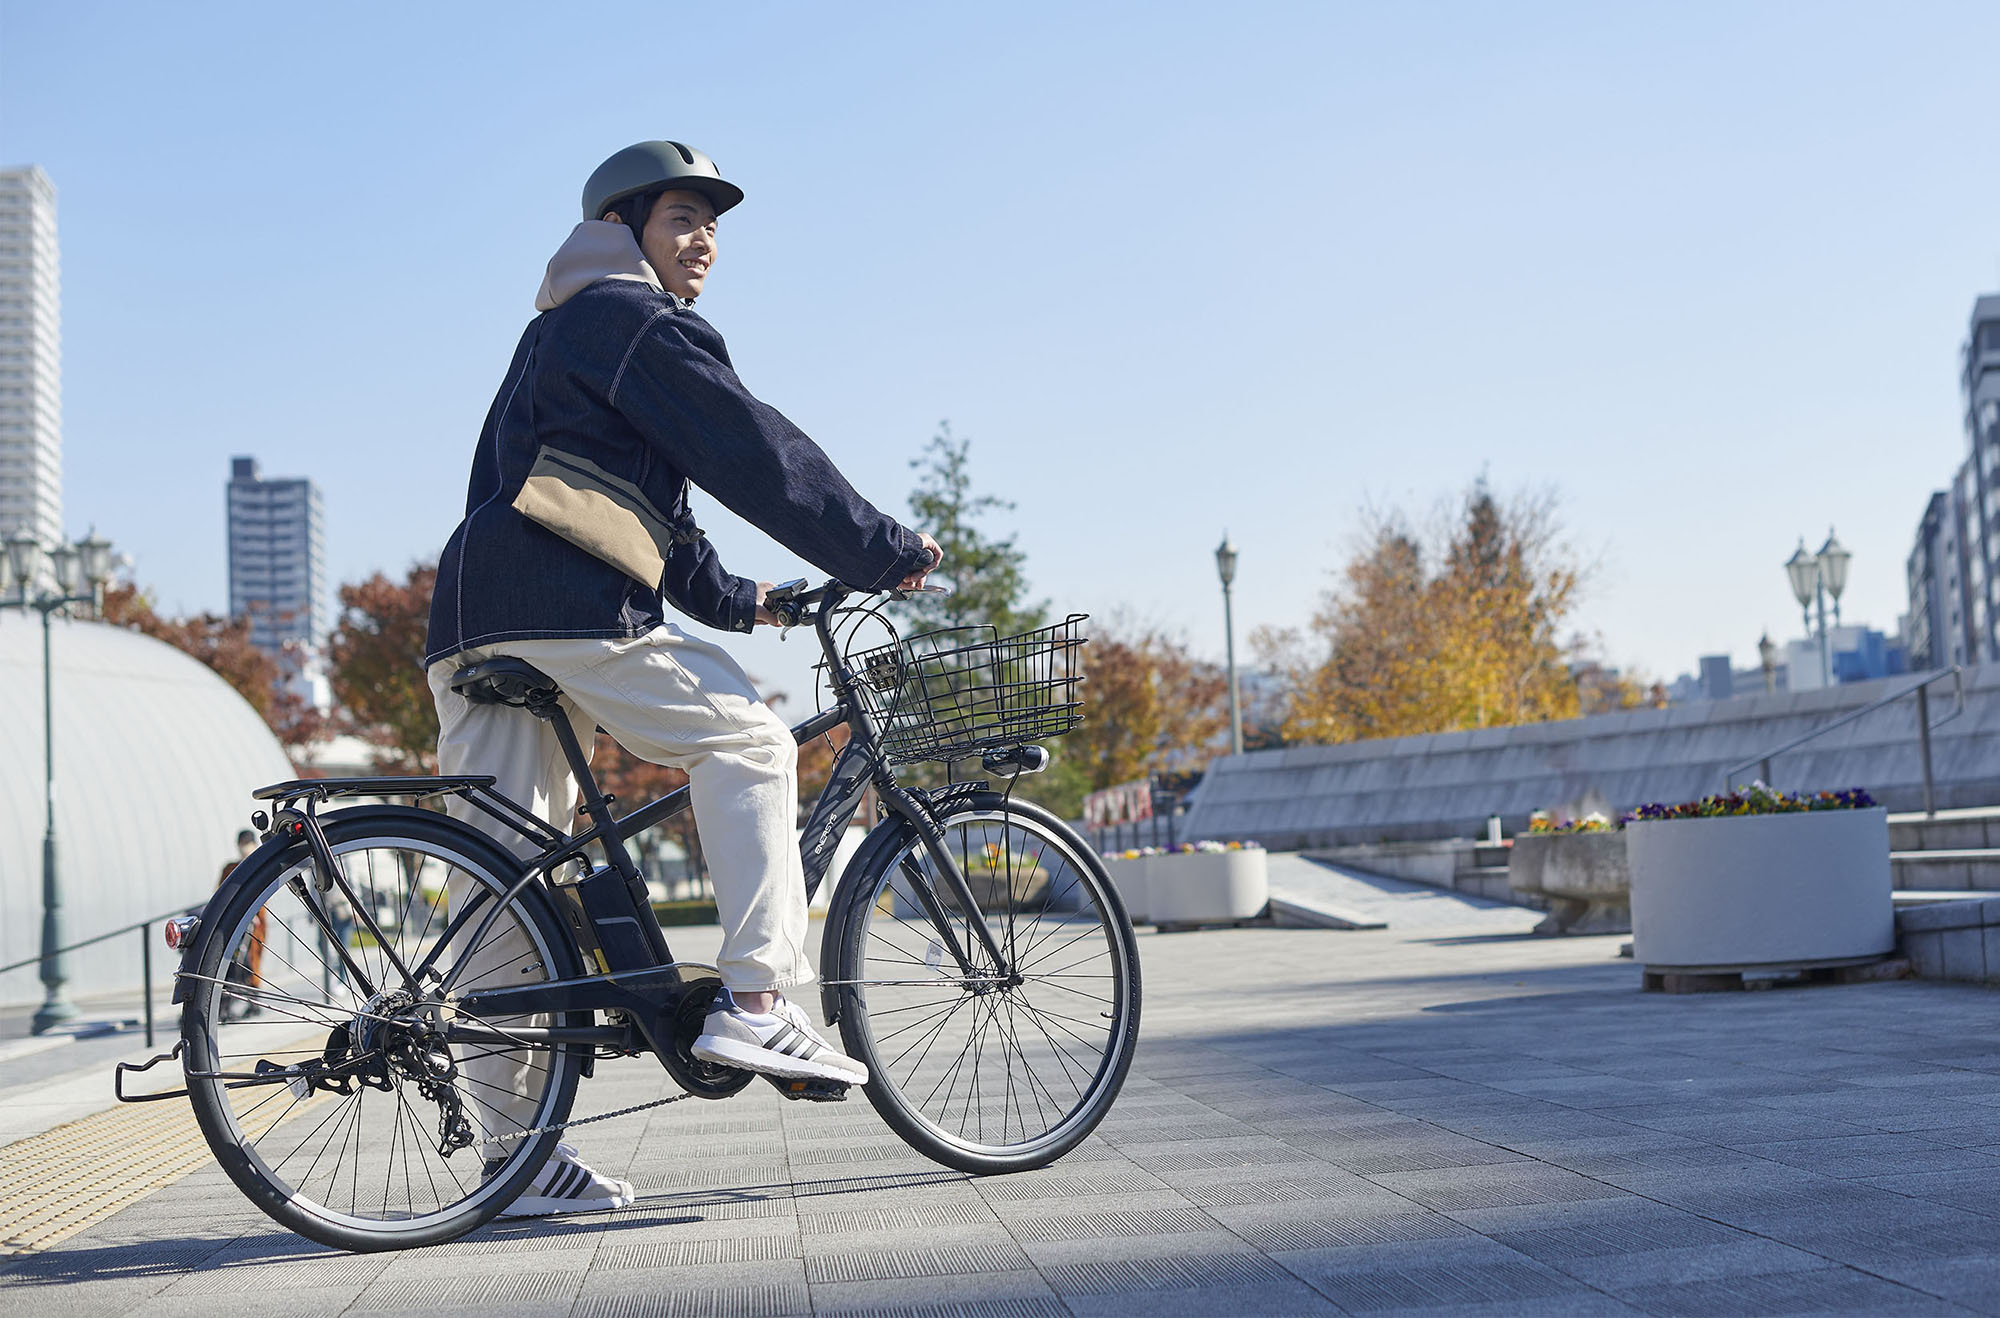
(698,585)
(688,401)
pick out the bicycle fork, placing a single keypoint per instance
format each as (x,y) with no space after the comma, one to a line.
(961,890)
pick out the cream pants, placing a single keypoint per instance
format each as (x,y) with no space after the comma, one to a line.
(671,699)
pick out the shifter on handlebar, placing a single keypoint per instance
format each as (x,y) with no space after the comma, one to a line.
(779,601)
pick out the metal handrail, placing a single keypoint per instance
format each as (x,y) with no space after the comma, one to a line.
(1921,689)
(145,929)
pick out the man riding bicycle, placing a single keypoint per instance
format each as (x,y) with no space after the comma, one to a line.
(577,528)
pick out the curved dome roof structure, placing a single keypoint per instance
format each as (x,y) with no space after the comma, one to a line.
(156,757)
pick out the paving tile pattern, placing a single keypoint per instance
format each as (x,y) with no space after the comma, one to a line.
(1380,1123)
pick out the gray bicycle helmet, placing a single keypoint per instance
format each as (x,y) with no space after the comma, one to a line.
(645,166)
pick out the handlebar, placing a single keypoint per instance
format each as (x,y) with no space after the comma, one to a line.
(791,601)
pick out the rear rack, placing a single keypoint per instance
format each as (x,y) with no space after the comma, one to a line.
(325,789)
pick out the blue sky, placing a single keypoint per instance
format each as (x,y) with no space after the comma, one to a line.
(1705,268)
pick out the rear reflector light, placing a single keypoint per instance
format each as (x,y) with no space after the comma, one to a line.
(180,929)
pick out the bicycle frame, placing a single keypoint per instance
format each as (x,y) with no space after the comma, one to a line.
(639,974)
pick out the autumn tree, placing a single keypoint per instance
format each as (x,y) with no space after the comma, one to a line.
(223,645)
(1433,632)
(1601,690)
(1150,706)
(376,667)
(987,574)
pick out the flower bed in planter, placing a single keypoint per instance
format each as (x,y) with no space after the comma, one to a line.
(1760,881)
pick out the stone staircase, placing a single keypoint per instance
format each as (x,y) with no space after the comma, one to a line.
(1954,852)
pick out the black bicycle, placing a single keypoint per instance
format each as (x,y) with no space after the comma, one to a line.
(385,1013)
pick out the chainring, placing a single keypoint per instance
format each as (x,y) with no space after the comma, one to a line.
(683,1022)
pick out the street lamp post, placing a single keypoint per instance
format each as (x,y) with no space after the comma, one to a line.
(1808,584)
(1814,577)
(87,560)
(1225,567)
(1833,558)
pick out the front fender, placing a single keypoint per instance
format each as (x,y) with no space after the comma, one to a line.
(883,841)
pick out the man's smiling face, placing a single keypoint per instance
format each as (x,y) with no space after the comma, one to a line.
(679,242)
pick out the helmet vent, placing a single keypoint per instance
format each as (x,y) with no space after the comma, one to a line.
(687,156)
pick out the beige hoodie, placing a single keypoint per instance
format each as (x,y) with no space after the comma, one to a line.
(594,250)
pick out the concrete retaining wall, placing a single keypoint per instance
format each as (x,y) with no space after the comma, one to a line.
(1446,785)
(1952,940)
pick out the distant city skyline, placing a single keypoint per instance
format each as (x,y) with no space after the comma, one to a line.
(1169,275)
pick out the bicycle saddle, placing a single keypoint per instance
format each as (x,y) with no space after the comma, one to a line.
(502,681)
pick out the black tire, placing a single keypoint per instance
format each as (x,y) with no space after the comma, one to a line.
(306,996)
(1045,894)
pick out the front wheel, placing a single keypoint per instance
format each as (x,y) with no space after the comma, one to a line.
(980,1067)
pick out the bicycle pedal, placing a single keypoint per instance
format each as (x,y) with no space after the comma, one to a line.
(812,1091)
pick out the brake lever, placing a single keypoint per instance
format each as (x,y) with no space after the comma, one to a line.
(901,595)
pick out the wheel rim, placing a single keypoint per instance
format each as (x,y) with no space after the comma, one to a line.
(991,1065)
(370,1160)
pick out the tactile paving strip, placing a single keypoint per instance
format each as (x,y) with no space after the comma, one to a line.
(55,1184)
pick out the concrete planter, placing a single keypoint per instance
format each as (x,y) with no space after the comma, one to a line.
(1216,887)
(1582,878)
(1129,877)
(1760,891)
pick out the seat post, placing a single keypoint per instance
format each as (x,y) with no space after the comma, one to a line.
(545,705)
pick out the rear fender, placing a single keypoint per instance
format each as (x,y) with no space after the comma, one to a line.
(278,853)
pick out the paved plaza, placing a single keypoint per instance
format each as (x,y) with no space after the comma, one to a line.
(1380,1122)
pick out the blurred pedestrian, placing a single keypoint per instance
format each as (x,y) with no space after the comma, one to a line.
(246,966)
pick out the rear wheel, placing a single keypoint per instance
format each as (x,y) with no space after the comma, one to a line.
(1003,1068)
(359,1122)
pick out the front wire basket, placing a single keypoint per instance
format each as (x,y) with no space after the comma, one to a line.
(953,694)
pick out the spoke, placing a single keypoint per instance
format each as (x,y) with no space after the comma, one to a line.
(929,1040)
(1092,955)
(1040,1017)
(953,1004)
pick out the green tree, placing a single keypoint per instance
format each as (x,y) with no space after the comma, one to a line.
(987,574)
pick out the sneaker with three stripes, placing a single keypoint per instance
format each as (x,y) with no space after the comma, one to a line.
(566,1185)
(781,1043)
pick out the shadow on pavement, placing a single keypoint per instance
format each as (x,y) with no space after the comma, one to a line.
(165,1256)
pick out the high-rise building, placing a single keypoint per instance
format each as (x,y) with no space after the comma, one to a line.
(30,357)
(277,570)
(1939,628)
(1979,484)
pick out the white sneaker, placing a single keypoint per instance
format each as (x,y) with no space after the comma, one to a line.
(566,1185)
(783,1043)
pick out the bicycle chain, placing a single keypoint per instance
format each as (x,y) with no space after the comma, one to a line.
(585,1121)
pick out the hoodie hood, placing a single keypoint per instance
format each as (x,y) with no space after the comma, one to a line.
(594,250)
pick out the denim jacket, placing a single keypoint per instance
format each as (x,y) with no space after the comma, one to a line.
(577,520)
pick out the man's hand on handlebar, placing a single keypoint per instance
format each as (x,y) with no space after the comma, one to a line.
(915,580)
(766,618)
(787,604)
